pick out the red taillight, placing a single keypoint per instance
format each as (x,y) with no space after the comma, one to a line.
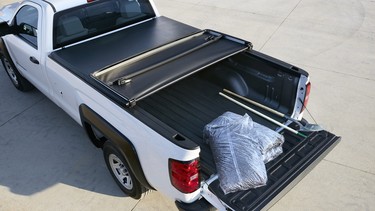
(88,1)
(184,175)
(307,95)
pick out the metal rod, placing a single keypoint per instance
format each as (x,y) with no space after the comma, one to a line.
(306,127)
(141,56)
(256,103)
(262,115)
(211,39)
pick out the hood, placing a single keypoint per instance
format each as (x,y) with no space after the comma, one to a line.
(7,11)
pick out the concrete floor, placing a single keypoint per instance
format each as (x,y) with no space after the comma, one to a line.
(47,163)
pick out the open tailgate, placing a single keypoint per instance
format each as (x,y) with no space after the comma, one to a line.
(298,159)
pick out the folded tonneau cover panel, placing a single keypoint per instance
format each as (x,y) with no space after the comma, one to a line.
(147,73)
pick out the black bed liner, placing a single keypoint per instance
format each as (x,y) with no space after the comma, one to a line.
(189,105)
(297,160)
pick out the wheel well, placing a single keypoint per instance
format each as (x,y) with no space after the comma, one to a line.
(92,121)
(95,135)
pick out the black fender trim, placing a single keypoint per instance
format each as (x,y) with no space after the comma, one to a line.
(88,116)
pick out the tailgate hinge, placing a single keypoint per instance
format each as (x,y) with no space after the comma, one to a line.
(211,197)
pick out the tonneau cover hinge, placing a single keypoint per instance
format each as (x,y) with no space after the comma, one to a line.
(250,45)
(131,103)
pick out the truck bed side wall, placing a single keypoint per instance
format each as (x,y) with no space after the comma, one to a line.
(153,150)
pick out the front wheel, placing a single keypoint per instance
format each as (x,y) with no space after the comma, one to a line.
(17,79)
(121,173)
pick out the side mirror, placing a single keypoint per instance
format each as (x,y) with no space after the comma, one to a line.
(25,28)
(4,28)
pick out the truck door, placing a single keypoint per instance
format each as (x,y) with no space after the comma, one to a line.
(25,45)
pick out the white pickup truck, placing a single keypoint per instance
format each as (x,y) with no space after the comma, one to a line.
(143,87)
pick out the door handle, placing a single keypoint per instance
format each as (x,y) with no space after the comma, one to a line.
(34,60)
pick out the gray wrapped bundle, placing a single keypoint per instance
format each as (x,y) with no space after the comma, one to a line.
(240,148)
(268,141)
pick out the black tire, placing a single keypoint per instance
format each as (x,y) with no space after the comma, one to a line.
(121,173)
(17,79)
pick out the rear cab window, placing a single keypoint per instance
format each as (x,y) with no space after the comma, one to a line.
(98,17)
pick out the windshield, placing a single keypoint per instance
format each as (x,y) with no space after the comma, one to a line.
(96,18)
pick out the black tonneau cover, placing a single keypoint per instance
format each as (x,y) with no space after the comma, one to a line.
(88,57)
(85,58)
(138,61)
(145,74)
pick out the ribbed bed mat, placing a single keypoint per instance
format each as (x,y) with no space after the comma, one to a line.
(189,105)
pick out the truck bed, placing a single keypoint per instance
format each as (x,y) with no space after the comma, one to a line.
(189,105)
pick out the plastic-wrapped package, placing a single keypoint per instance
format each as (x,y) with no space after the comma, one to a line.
(238,161)
(272,154)
(224,123)
(241,147)
(268,141)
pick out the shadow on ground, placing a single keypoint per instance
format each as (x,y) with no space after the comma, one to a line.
(41,146)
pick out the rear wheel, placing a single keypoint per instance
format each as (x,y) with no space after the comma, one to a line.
(17,79)
(121,173)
